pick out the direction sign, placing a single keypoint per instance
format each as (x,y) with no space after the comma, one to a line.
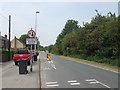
(31,41)
(31,34)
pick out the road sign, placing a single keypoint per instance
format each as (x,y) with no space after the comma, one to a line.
(31,41)
(31,34)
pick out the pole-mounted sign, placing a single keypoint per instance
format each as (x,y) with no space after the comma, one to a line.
(31,40)
(31,34)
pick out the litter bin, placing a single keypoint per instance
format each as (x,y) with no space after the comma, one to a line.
(23,66)
(35,57)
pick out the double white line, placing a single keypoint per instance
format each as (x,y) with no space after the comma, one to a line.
(73,82)
(52,84)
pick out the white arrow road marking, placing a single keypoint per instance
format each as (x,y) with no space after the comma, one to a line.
(52,64)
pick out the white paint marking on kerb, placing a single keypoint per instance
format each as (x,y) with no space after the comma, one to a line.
(75,84)
(72,81)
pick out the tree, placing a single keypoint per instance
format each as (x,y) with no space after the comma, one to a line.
(23,38)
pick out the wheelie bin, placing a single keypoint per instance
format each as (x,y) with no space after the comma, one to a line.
(23,66)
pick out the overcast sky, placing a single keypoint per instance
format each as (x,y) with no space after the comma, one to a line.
(52,16)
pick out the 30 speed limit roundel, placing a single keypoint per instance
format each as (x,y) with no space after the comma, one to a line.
(31,34)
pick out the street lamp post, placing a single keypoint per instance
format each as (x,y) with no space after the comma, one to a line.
(36,26)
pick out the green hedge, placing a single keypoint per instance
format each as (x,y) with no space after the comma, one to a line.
(113,62)
(6,51)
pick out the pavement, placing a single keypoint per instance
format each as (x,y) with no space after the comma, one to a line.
(65,73)
(12,79)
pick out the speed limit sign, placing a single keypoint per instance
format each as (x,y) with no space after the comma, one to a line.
(31,34)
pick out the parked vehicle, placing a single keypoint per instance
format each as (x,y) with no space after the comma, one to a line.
(22,54)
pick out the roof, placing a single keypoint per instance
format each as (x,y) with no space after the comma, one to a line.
(20,41)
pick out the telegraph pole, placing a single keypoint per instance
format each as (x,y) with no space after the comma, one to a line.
(9,36)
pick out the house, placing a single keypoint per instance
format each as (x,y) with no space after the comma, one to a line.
(16,44)
(4,42)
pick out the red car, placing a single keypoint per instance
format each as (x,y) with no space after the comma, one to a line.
(22,54)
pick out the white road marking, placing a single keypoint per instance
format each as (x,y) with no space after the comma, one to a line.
(51,82)
(90,80)
(94,81)
(75,84)
(52,64)
(56,85)
(47,69)
(104,85)
(72,81)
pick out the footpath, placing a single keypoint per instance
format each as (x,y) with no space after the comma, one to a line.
(12,79)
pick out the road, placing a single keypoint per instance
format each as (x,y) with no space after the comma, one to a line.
(64,73)
(58,73)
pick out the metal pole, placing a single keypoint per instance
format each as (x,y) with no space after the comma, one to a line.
(35,28)
(9,36)
(31,61)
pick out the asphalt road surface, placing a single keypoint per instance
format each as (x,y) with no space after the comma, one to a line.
(64,73)
(57,73)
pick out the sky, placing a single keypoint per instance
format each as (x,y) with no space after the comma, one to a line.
(52,16)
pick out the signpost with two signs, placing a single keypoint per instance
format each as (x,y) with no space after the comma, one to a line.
(32,40)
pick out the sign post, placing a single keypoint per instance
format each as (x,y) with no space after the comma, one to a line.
(31,41)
